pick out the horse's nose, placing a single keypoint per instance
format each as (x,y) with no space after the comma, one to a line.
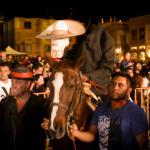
(60,132)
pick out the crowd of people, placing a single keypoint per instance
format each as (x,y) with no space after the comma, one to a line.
(41,73)
(40,68)
(140,72)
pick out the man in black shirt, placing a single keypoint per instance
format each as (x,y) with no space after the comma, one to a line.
(21,115)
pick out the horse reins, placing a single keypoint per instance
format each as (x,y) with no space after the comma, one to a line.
(71,119)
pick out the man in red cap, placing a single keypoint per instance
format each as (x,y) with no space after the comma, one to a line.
(21,115)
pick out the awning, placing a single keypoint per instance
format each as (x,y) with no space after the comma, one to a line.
(11,51)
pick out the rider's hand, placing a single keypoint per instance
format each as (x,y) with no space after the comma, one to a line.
(85,78)
(45,124)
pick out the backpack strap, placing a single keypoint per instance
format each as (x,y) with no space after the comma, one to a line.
(4,89)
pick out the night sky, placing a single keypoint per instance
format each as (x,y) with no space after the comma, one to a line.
(121,9)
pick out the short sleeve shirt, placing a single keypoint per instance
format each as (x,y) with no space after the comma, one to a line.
(117,128)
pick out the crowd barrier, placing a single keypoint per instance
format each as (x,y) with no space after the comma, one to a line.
(142,98)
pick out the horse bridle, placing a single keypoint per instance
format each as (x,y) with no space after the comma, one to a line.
(70,118)
(63,106)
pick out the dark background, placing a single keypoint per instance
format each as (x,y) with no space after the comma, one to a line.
(121,9)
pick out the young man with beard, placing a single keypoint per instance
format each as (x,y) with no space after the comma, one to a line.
(21,115)
(121,124)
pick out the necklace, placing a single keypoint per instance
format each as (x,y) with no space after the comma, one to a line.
(118,104)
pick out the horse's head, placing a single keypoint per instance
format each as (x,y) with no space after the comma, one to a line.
(66,94)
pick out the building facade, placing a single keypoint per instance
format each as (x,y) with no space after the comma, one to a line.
(120,32)
(20,34)
(139,37)
(2,20)
(132,35)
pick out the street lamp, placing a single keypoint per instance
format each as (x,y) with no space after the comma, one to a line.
(118,50)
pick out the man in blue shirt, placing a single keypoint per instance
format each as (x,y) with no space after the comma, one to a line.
(120,123)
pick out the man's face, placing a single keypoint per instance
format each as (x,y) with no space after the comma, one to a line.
(127,56)
(40,80)
(3,55)
(19,87)
(46,72)
(4,72)
(130,72)
(138,66)
(38,71)
(58,47)
(119,88)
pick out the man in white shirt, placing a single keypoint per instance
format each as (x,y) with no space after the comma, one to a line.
(5,82)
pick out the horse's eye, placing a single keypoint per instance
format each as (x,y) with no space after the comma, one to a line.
(70,85)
